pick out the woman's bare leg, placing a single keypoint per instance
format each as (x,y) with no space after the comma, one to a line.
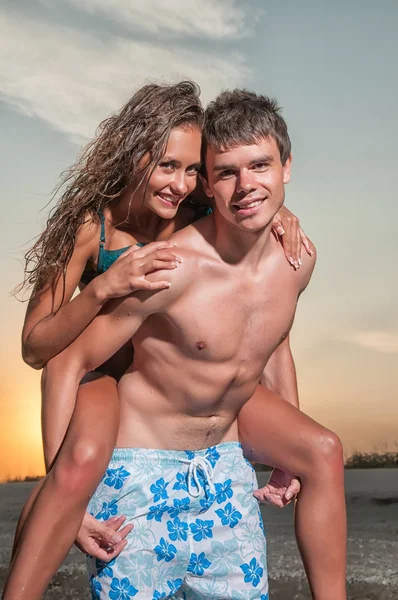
(275,433)
(57,510)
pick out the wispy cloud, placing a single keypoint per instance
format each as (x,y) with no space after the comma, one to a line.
(72,79)
(379,341)
(215,19)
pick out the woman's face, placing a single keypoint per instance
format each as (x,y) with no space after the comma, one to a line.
(174,178)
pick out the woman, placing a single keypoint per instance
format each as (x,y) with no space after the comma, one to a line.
(123,193)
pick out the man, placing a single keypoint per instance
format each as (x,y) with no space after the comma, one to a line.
(200,349)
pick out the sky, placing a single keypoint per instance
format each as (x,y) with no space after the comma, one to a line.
(67,64)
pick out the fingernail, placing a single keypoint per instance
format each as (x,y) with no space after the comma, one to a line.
(289,495)
(300,262)
(179,258)
(281,231)
(167,285)
(311,252)
(291,260)
(116,538)
(174,263)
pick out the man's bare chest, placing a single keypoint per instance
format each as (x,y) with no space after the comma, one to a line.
(232,321)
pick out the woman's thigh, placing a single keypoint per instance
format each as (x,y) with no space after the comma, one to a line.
(275,432)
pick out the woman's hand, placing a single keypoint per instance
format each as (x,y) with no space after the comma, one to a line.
(280,490)
(102,539)
(292,237)
(128,273)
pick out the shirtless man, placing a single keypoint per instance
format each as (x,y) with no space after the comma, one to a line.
(201,348)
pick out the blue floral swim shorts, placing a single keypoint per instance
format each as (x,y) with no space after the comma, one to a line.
(198,532)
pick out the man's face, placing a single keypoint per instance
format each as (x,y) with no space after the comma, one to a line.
(247,183)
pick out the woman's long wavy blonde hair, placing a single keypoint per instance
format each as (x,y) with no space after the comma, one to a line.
(108,164)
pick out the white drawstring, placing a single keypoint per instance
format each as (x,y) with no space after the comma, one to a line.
(198,462)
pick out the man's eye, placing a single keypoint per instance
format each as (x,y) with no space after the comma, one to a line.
(194,169)
(260,166)
(227,173)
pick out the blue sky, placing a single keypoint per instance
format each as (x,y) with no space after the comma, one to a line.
(67,64)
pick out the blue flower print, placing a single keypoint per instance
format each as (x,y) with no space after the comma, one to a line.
(165,551)
(206,502)
(201,529)
(158,595)
(116,477)
(198,564)
(179,506)
(174,585)
(95,588)
(190,454)
(107,511)
(156,512)
(223,491)
(264,597)
(212,455)
(122,589)
(253,572)
(229,515)
(158,490)
(177,530)
(181,483)
(104,569)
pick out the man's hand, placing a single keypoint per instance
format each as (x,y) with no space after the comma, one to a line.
(102,539)
(292,237)
(280,490)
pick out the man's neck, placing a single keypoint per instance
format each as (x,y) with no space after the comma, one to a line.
(237,246)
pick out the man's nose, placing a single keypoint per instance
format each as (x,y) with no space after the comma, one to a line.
(245,182)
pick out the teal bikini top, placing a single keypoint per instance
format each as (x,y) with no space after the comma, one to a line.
(106,258)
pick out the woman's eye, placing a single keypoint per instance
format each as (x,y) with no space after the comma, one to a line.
(194,169)
(167,165)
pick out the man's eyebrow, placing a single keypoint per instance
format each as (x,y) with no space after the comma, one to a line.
(267,158)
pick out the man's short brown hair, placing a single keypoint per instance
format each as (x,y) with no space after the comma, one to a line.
(240,118)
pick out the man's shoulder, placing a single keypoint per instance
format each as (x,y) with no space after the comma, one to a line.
(307,267)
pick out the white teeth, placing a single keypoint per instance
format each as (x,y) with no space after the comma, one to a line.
(251,205)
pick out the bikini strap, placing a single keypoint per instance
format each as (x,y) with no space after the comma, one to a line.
(102,237)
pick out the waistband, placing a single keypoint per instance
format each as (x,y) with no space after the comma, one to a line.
(175,456)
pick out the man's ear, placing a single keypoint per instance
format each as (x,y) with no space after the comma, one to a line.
(286,169)
(205,185)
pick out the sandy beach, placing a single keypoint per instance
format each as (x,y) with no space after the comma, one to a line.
(372,506)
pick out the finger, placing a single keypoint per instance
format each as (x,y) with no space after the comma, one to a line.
(293,489)
(115,522)
(164,255)
(263,490)
(126,530)
(157,265)
(273,499)
(277,225)
(305,241)
(295,242)
(107,536)
(152,286)
(106,555)
(287,242)
(154,247)
(299,262)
